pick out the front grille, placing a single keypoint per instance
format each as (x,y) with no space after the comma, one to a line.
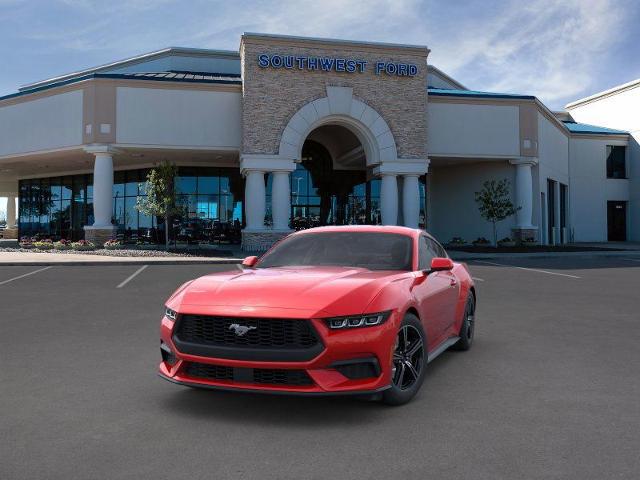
(264,376)
(281,377)
(247,338)
(214,372)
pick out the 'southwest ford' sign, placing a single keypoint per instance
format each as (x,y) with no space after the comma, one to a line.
(332,64)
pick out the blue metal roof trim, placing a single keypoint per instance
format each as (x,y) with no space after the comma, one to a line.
(226,79)
(444,92)
(585,128)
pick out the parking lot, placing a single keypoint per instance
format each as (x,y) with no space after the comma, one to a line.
(551,388)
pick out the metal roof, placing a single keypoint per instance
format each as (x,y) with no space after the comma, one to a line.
(585,128)
(135,60)
(187,77)
(474,93)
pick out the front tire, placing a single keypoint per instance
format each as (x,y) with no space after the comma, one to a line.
(409,362)
(467,328)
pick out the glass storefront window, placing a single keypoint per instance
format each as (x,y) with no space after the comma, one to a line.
(60,207)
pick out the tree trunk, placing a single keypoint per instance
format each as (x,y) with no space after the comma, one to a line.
(166,232)
(495,235)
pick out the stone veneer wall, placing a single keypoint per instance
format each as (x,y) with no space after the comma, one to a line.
(272,96)
(99,235)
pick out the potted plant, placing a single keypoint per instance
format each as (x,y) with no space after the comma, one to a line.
(62,245)
(507,242)
(112,244)
(83,245)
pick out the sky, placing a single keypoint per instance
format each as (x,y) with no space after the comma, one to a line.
(557,50)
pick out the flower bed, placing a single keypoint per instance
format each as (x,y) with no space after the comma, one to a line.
(83,245)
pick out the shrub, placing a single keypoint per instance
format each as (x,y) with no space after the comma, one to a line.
(62,245)
(83,245)
(112,244)
(481,241)
(457,241)
(46,244)
(26,242)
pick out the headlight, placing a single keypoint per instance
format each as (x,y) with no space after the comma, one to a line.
(170,314)
(355,321)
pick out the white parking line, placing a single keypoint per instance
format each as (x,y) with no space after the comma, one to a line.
(132,276)
(478,279)
(25,275)
(528,269)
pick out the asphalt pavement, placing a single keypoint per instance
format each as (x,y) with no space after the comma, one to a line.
(550,389)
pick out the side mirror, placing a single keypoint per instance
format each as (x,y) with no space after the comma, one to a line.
(441,264)
(250,261)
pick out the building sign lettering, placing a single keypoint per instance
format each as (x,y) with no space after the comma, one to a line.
(333,64)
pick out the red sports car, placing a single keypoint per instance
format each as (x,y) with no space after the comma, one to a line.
(330,310)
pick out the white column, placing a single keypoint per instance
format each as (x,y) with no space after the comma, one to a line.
(389,199)
(103,190)
(255,200)
(280,200)
(11,212)
(524,194)
(411,200)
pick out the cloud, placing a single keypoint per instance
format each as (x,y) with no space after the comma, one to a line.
(547,48)
(557,50)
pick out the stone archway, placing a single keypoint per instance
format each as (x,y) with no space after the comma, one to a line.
(339,107)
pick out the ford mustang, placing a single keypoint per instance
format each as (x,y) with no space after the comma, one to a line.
(353,310)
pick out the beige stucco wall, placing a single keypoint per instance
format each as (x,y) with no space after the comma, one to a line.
(272,96)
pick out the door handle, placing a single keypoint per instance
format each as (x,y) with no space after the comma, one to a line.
(453,282)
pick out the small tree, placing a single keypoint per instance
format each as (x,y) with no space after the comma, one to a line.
(160,200)
(494,203)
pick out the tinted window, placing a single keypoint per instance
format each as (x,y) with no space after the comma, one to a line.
(616,162)
(425,253)
(436,248)
(374,251)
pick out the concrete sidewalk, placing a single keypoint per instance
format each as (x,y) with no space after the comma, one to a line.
(37,259)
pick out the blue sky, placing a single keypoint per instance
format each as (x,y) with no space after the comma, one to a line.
(556,50)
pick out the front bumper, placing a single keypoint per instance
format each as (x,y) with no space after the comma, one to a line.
(336,370)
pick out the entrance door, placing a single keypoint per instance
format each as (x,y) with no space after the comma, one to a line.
(617,221)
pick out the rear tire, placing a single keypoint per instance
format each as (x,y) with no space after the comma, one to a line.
(467,329)
(409,362)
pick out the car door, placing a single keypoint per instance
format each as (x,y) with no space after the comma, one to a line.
(452,294)
(433,294)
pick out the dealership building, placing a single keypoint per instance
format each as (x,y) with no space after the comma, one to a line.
(291,133)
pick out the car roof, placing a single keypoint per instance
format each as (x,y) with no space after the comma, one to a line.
(412,232)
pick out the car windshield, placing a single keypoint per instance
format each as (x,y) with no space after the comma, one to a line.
(370,250)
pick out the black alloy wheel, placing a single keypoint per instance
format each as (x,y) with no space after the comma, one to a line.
(408,357)
(408,363)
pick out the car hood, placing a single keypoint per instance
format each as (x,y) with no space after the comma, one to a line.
(325,291)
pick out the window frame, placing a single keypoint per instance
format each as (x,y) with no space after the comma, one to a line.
(625,170)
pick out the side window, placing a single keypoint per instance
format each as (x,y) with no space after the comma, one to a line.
(425,254)
(437,249)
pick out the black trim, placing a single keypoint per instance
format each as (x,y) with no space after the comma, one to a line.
(296,393)
(342,367)
(249,354)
